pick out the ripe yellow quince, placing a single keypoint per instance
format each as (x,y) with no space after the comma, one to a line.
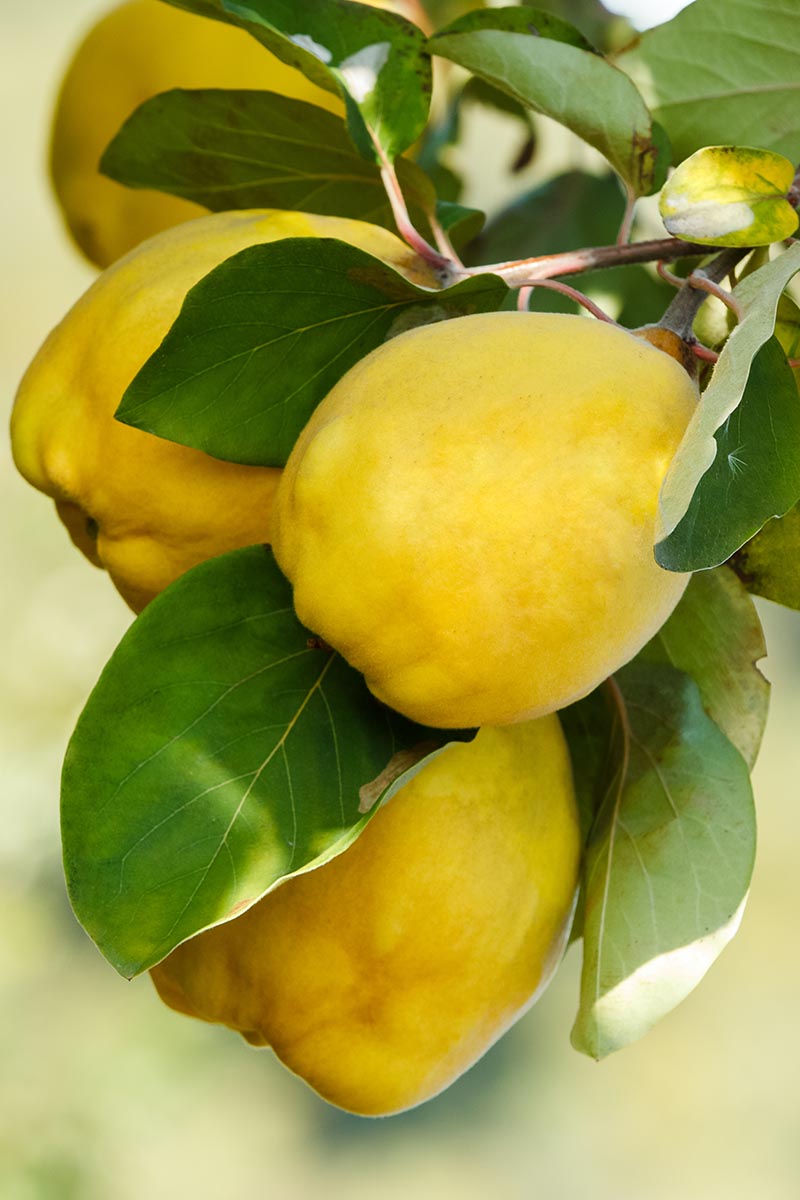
(384,974)
(469,515)
(141,48)
(144,508)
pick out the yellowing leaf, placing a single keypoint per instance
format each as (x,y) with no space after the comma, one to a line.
(730,196)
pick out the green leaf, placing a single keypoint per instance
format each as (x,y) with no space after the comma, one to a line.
(669,862)
(755,474)
(758,296)
(721,72)
(769,564)
(715,636)
(371,56)
(265,336)
(221,751)
(248,149)
(730,196)
(548,66)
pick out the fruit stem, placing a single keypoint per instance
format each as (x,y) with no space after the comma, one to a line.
(698,279)
(405,226)
(573,293)
(443,241)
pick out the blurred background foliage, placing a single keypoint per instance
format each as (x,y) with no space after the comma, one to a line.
(104,1094)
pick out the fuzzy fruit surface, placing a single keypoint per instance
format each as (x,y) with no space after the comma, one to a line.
(137,50)
(145,508)
(384,974)
(469,515)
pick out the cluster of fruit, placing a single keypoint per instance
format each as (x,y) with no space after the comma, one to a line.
(468,518)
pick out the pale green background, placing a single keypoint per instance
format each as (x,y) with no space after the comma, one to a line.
(105,1095)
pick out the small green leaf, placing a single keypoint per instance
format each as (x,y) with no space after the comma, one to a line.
(755,474)
(265,336)
(370,55)
(669,862)
(249,149)
(746,90)
(221,751)
(769,564)
(758,296)
(548,66)
(715,636)
(730,196)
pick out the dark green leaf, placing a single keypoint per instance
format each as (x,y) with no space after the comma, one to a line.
(222,750)
(591,727)
(548,66)
(265,336)
(479,91)
(769,564)
(370,55)
(669,862)
(248,149)
(755,474)
(715,636)
(745,92)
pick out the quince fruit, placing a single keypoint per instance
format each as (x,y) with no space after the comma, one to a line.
(384,974)
(144,508)
(469,515)
(141,48)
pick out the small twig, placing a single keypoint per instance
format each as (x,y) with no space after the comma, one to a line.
(524,298)
(442,239)
(681,313)
(405,226)
(520,272)
(699,280)
(573,294)
(624,235)
(669,276)
(703,352)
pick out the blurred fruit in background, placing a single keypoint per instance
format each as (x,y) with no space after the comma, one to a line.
(141,48)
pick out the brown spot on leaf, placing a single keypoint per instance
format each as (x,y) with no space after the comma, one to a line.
(402,761)
(316,643)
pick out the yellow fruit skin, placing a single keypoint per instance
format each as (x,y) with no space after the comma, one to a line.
(384,974)
(157,508)
(489,554)
(137,50)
